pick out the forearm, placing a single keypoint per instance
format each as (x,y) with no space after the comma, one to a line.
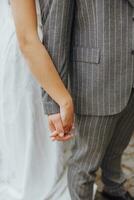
(40,63)
(44,70)
(57,28)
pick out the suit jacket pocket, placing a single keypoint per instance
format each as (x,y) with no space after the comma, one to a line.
(85,54)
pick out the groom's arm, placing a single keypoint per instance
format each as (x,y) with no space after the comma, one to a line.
(57,17)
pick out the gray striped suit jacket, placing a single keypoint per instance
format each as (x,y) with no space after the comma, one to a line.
(92,42)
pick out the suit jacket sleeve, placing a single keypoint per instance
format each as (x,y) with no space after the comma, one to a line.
(57,17)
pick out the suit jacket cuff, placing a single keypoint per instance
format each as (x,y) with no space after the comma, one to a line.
(51,107)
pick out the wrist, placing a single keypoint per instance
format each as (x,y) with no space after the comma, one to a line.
(66,102)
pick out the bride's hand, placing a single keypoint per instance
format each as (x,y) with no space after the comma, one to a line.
(67,115)
(62,123)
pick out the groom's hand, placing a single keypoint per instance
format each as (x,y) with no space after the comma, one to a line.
(56,128)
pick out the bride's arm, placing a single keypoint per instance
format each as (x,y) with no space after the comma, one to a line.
(40,63)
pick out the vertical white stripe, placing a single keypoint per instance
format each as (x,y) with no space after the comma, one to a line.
(121,59)
(109,92)
(115,56)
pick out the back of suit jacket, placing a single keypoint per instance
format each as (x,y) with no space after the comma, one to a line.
(97,52)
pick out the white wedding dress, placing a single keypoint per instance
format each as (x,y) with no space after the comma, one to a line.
(31,166)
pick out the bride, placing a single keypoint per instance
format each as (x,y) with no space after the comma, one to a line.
(32,167)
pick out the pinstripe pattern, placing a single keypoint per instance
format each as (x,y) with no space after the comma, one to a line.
(92,41)
(100,142)
(96,51)
(102,71)
(56,21)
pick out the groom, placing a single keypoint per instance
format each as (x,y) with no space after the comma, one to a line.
(92,41)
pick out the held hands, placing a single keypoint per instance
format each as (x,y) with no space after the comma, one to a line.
(61,124)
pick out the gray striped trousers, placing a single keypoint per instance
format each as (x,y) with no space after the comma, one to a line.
(100,142)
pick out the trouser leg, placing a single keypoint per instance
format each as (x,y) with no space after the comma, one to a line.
(112,174)
(94,134)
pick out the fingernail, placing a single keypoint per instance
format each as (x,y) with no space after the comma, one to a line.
(61,134)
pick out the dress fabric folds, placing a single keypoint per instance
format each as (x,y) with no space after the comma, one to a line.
(31,166)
